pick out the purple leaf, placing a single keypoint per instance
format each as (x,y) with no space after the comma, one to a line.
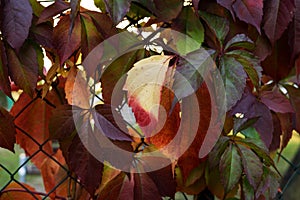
(278,15)
(251,107)
(17,16)
(49,12)
(117,9)
(276,101)
(249,11)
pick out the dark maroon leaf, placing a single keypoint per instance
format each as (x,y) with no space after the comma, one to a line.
(278,15)
(241,124)
(251,107)
(252,165)
(56,8)
(234,78)
(87,168)
(145,188)
(103,23)
(164,181)
(117,9)
(227,4)
(276,101)
(275,144)
(42,34)
(75,6)
(7,130)
(65,43)
(230,168)
(17,16)
(294,94)
(286,122)
(111,123)
(120,187)
(167,10)
(4,80)
(215,155)
(25,76)
(249,11)
(294,32)
(278,65)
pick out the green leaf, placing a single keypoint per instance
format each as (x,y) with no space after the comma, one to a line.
(230,168)
(215,155)
(7,130)
(90,36)
(247,190)
(100,4)
(234,78)
(252,165)
(188,23)
(117,9)
(269,185)
(241,124)
(218,25)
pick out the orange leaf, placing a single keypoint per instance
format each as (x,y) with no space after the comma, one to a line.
(34,121)
(17,192)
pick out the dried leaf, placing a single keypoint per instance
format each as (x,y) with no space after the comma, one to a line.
(16,192)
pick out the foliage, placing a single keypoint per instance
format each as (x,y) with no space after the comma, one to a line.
(254,44)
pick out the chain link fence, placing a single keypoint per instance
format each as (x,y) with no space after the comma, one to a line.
(290,180)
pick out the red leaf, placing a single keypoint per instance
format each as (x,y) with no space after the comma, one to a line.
(42,34)
(251,107)
(25,76)
(66,44)
(276,101)
(34,121)
(145,188)
(17,16)
(4,80)
(250,11)
(54,9)
(7,130)
(278,15)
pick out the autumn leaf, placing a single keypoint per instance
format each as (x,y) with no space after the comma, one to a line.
(7,130)
(286,123)
(4,80)
(143,84)
(117,9)
(17,192)
(193,32)
(250,107)
(230,167)
(34,121)
(278,15)
(15,27)
(66,44)
(252,166)
(25,76)
(54,9)
(249,11)
(276,101)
